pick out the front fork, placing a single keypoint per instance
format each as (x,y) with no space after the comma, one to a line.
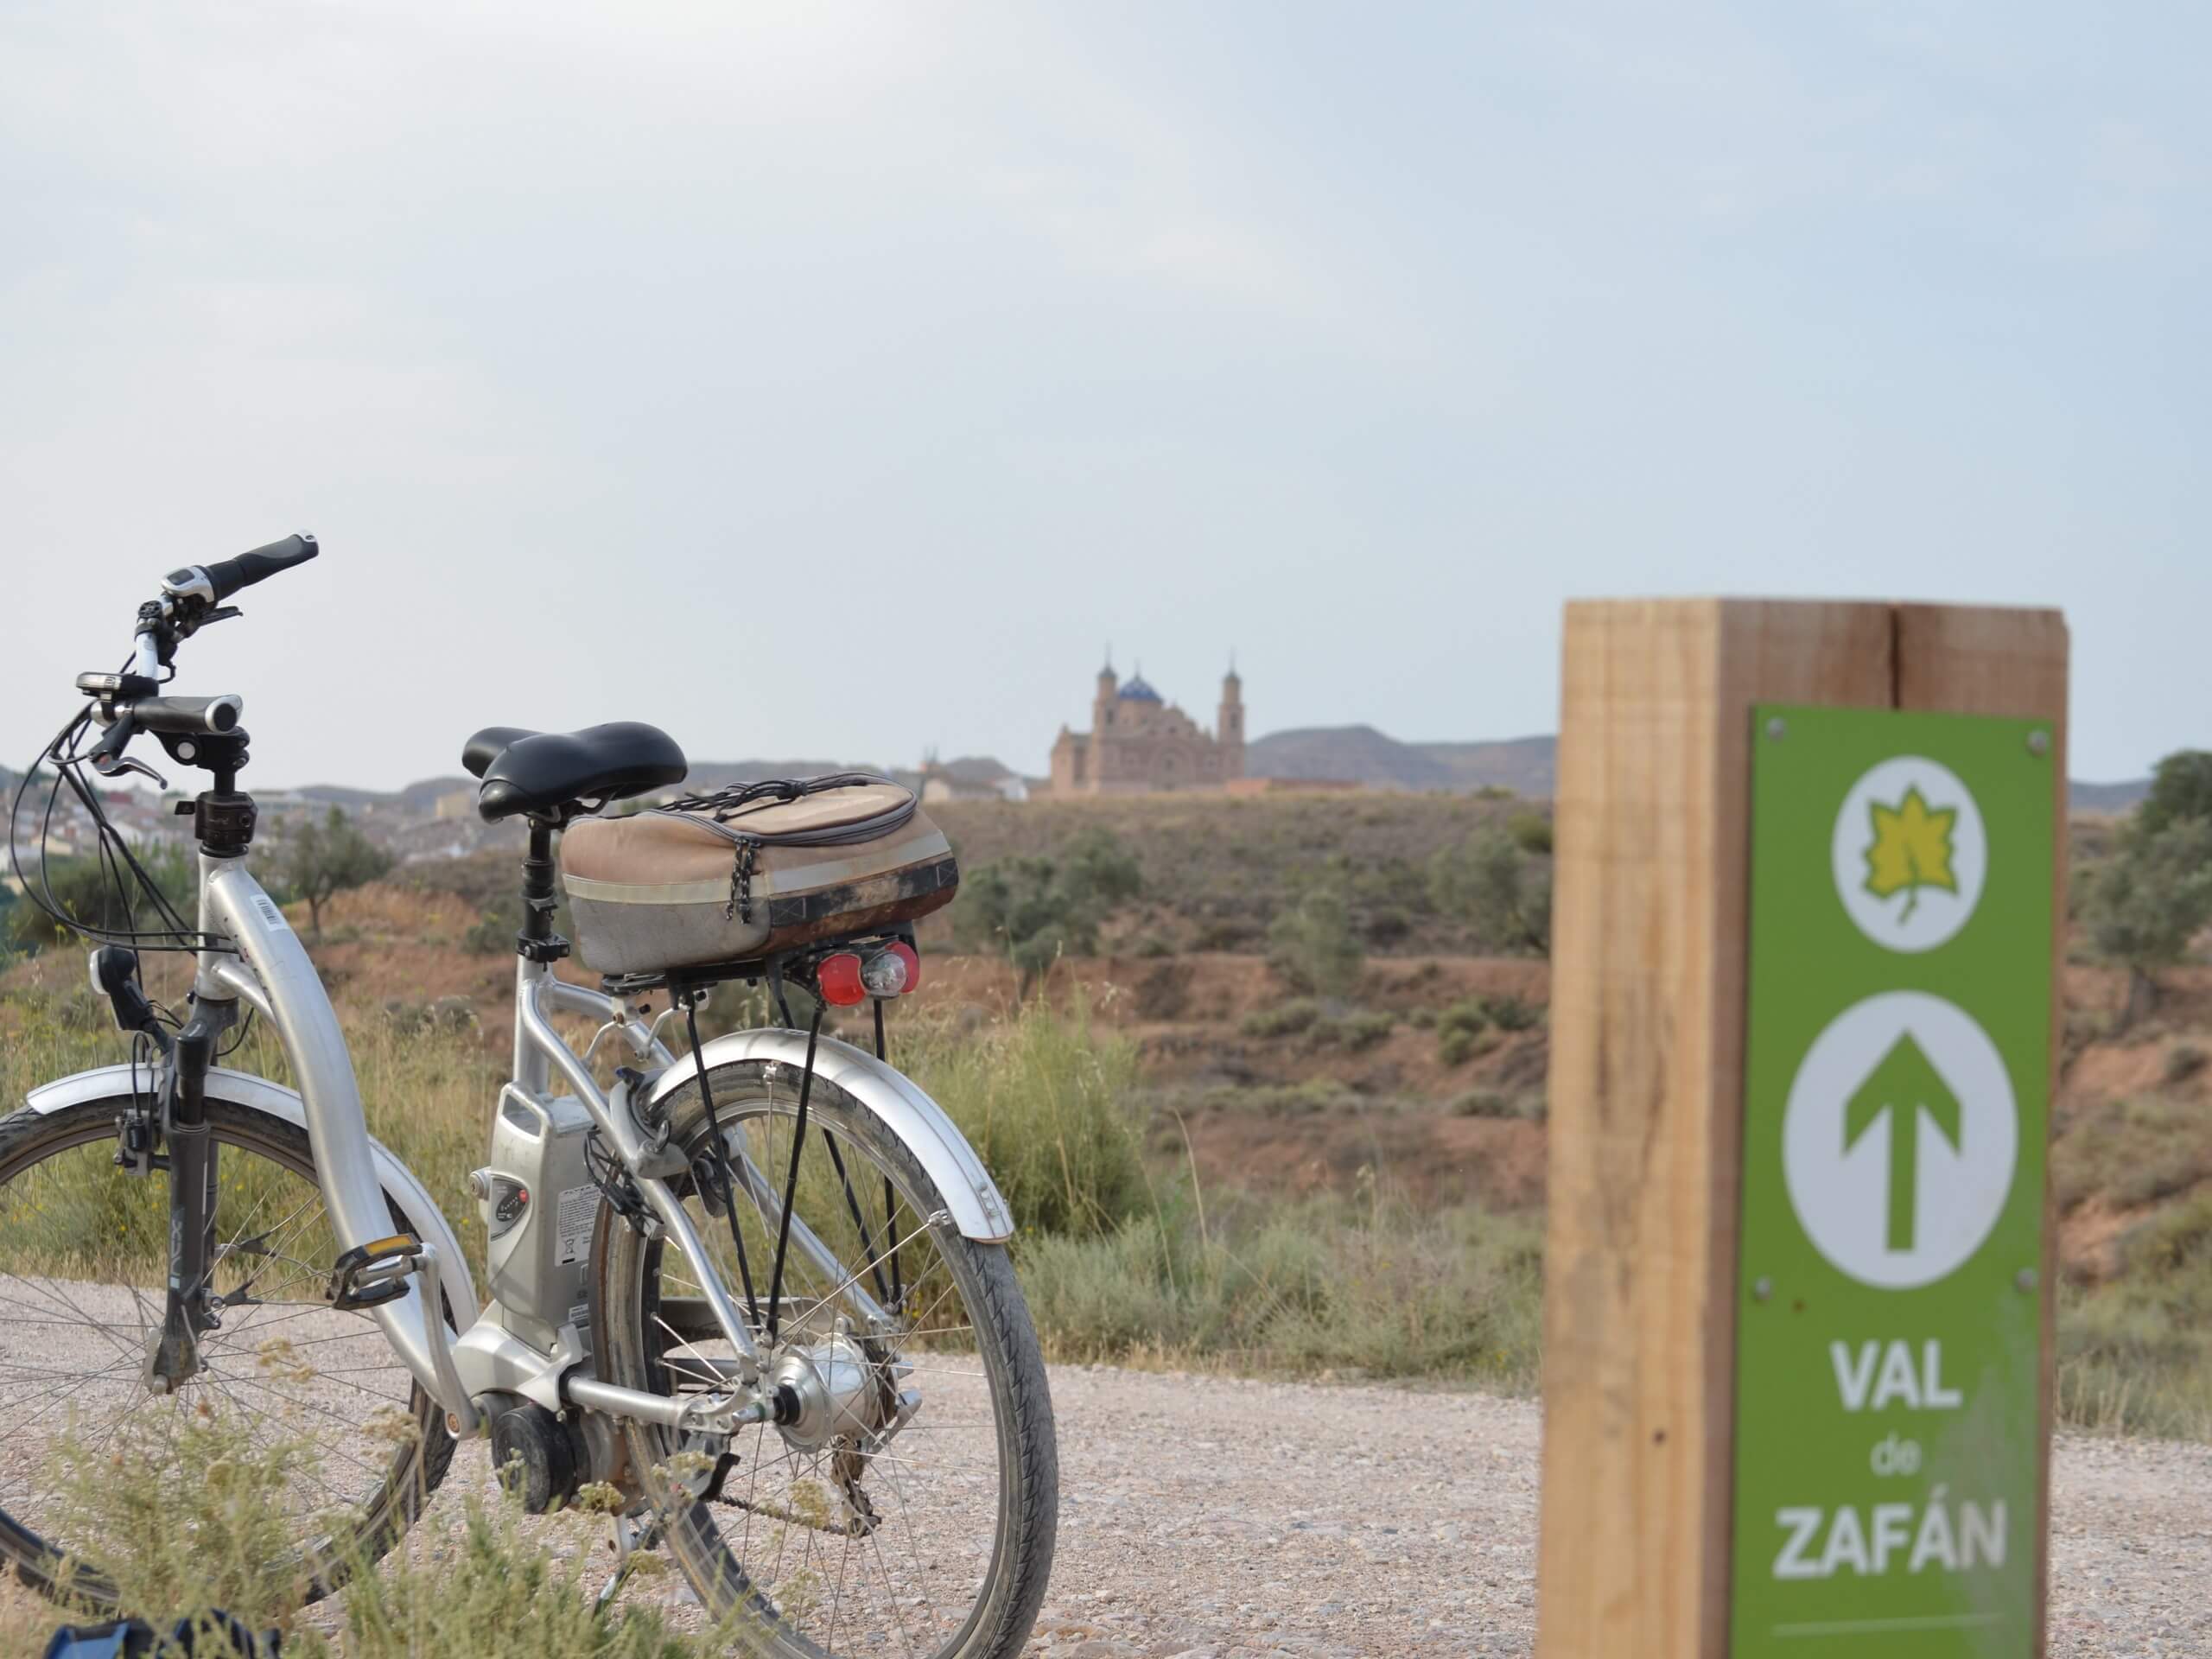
(173,1351)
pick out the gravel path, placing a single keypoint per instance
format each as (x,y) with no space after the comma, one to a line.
(1234,1519)
(1357,1521)
(1228,1517)
(1220,1518)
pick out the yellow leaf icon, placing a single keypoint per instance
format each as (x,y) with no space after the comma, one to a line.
(1911,849)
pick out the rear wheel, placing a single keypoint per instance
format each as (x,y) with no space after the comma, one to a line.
(83,1263)
(912,1511)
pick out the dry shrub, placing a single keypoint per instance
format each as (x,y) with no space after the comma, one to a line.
(182,1514)
(1046,1101)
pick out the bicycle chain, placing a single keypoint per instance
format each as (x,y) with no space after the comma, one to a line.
(862,1517)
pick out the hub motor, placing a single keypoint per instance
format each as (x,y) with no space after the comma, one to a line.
(839,1390)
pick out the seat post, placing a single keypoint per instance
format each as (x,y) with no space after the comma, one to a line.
(537,942)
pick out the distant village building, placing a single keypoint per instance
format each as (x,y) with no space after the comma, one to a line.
(1138,744)
(969,780)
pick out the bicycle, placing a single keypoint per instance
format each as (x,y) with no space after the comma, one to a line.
(846,1443)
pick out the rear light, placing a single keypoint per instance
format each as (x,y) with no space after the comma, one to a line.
(892,971)
(840,981)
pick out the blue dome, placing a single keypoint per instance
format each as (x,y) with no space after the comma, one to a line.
(1137,691)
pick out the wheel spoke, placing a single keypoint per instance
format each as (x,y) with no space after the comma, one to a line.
(86,1248)
(927,1509)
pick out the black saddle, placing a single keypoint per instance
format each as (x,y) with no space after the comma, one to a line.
(542,771)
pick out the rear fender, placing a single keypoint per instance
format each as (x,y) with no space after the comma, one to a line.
(910,1116)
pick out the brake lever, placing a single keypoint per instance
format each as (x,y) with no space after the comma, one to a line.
(109,760)
(188,626)
(111,743)
(123,767)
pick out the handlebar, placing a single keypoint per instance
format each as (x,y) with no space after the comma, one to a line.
(232,574)
(216,582)
(187,716)
(191,598)
(176,716)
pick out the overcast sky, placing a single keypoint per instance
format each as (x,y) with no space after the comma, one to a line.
(821,381)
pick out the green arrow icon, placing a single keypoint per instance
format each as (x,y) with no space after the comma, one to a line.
(1904,1085)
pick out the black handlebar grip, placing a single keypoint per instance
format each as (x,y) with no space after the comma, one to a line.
(231,574)
(187,716)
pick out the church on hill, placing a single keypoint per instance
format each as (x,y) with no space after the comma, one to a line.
(1138,744)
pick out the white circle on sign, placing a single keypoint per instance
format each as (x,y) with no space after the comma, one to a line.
(1909,854)
(1899,1140)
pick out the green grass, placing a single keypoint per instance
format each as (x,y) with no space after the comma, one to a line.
(1047,1099)
(427,1092)
(1369,1289)
(2135,1354)
(1125,1259)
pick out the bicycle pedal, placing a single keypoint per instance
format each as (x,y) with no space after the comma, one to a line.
(371,1274)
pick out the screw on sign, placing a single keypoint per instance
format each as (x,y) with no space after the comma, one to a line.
(1896,1077)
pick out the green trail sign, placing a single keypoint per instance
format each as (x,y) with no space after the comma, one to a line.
(1897,1082)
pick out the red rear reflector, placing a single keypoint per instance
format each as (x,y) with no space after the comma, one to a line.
(839,978)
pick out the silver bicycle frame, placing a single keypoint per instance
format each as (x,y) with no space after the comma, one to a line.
(540,1053)
(268,971)
(272,974)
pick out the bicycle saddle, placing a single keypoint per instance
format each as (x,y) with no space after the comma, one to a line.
(535,772)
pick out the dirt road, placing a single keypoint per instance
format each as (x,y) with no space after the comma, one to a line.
(1232,1519)
(1215,1518)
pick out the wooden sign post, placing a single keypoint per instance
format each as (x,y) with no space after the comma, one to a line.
(1810,880)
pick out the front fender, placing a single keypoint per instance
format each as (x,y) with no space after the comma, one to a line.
(919,1122)
(258,1094)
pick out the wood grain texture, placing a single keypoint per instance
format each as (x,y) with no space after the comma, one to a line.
(2015,663)
(1652,869)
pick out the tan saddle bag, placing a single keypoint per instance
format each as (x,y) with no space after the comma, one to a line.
(752,870)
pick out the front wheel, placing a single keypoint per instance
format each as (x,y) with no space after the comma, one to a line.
(913,1509)
(84,1256)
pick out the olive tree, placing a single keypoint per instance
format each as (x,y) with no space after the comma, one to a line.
(323,859)
(2148,903)
(1496,883)
(1312,945)
(1037,909)
(2181,787)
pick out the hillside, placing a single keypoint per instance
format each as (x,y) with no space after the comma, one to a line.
(1362,754)
(1265,1089)
(419,799)
(1424,1080)
(1217,869)
(1527,765)
(1350,754)
(2107,797)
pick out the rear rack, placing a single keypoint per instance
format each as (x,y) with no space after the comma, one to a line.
(771,970)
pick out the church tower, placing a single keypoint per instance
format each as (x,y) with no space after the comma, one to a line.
(1101,705)
(1229,733)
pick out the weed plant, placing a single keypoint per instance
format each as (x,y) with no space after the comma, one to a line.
(180,1512)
